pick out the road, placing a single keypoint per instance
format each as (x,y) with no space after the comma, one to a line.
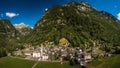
(35,64)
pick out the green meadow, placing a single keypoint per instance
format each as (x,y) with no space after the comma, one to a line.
(11,62)
(54,65)
(109,62)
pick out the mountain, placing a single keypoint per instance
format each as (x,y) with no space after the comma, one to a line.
(23,29)
(79,23)
(8,37)
(7,29)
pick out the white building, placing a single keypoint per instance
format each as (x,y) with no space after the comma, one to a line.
(43,58)
(27,53)
(88,56)
(36,54)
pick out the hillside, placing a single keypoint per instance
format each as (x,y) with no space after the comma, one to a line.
(79,23)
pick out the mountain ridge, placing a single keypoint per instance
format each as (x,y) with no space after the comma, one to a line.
(7,28)
(9,37)
(23,28)
(79,23)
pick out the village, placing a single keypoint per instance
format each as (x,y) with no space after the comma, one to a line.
(51,53)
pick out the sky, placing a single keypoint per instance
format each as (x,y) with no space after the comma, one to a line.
(30,11)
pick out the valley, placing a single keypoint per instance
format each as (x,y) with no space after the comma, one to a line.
(72,35)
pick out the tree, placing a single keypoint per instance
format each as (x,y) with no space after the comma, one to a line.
(64,42)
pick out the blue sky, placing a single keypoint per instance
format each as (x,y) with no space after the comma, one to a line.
(30,11)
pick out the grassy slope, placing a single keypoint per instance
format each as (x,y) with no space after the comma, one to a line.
(54,65)
(111,62)
(8,62)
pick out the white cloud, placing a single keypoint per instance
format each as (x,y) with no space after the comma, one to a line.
(46,9)
(118,16)
(11,14)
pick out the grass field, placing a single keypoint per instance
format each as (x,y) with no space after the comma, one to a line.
(110,62)
(54,65)
(11,62)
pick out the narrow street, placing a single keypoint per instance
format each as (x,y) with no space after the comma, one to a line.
(35,64)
